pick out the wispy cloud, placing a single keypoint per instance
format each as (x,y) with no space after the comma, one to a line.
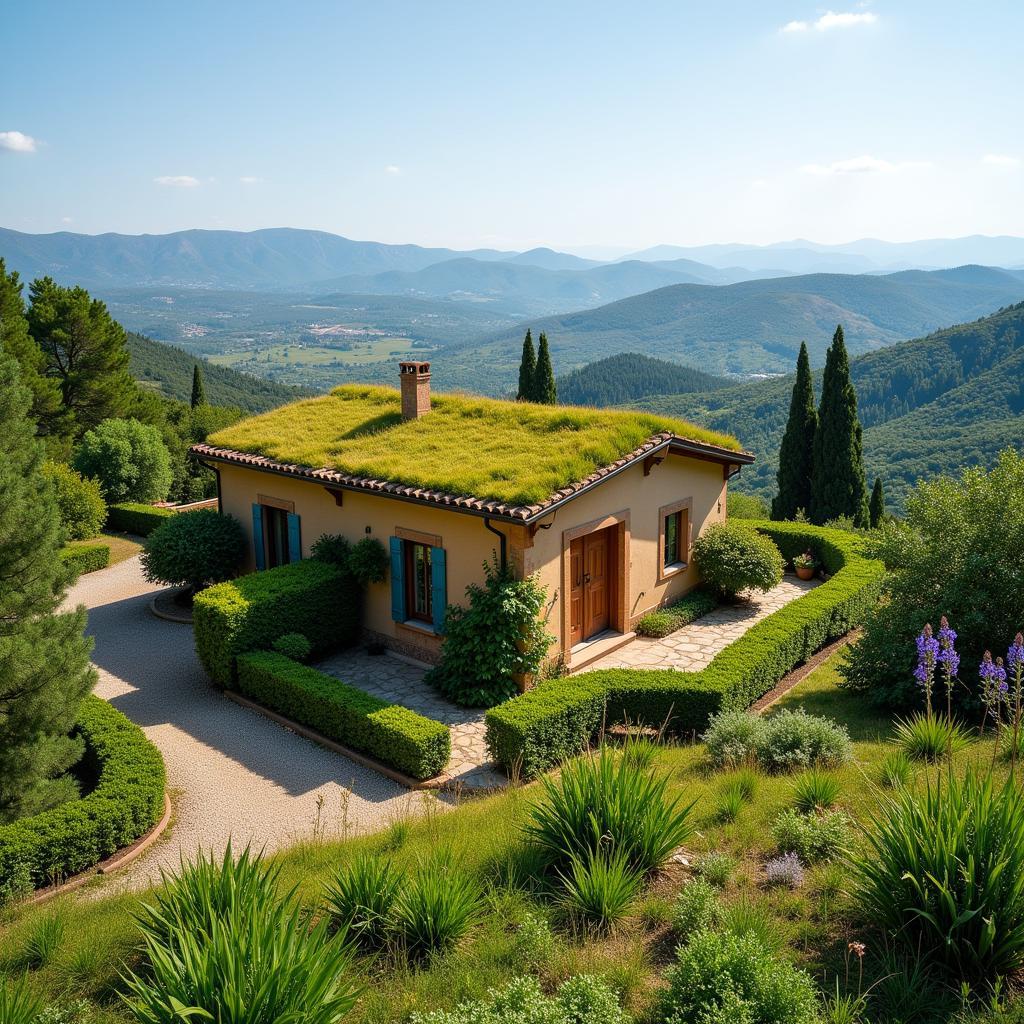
(177,180)
(392,169)
(18,142)
(67,220)
(1000,160)
(250,179)
(862,165)
(832,19)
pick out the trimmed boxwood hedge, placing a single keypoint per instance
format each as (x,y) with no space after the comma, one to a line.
(394,735)
(132,517)
(561,716)
(125,802)
(83,558)
(314,598)
(671,617)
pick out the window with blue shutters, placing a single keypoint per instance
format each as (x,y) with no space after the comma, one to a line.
(276,536)
(418,583)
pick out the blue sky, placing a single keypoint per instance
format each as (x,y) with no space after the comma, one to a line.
(553,123)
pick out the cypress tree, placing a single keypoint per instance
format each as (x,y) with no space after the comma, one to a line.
(198,390)
(544,389)
(838,484)
(877,507)
(44,656)
(796,455)
(527,369)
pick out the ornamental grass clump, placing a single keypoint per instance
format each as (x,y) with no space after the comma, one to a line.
(605,802)
(361,899)
(815,791)
(434,910)
(599,888)
(18,1003)
(943,873)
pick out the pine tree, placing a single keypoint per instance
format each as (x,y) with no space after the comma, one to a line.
(796,455)
(544,389)
(44,656)
(838,485)
(527,369)
(85,354)
(877,506)
(198,390)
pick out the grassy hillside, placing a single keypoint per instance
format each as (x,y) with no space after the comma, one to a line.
(169,370)
(624,378)
(750,327)
(935,404)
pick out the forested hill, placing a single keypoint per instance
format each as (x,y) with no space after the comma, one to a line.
(751,327)
(624,378)
(169,370)
(928,406)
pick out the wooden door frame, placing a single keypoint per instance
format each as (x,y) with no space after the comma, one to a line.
(619,618)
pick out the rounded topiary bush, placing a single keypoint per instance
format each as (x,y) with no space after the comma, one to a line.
(79,501)
(294,646)
(194,549)
(732,558)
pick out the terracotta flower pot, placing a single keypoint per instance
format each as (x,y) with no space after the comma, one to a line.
(805,572)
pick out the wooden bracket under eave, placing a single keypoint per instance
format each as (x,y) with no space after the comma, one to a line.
(336,493)
(650,461)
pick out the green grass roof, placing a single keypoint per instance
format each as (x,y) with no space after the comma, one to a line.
(513,452)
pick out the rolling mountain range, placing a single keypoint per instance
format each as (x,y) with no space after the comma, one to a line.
(754,327)
(936,404)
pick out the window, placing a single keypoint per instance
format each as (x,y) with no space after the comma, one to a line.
(674,537)
(275,536)
(276,533)
(418,597)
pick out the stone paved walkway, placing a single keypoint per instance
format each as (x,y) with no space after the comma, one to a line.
(692,647)
(393,679)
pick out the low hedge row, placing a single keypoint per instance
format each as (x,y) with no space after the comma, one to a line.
(562,716)
(314,598)
(126,801)
(663,621)
(392,734)
(83,558)
(131,517)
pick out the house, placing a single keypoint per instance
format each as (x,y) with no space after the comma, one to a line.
(602,504)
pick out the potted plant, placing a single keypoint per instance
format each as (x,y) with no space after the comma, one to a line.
(805,565)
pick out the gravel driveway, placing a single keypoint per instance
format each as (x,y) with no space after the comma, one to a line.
(231,772)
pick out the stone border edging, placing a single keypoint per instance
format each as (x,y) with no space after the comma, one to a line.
(801,672)
(156,610)
(115,862)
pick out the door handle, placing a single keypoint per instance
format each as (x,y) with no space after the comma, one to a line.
(586,577)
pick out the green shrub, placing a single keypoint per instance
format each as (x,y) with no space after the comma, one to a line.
(256,959)
(332,548)
(602,801)
(698,908)
(815,791)
(599,887)
(128,458)
(930,737)
(248,614)
(361,899)
(79,501)
(943,873)
(674,616)
(583,999)
(560,717)
(392,734)
(194,549)
(534,943)
(294,646)
(746,506)
(725,978)
(136,518)
(785,741)
(368,561)
(732,557)
(83,558)
(499,634)
(126,801)
(434,910)
(812,837)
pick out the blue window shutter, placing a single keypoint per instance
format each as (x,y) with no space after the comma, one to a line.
(294,537)
(257,537)
(438,588)
(397,580)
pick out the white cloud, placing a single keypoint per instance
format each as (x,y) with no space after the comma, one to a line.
(833,19)
(66,220)
(392,169)
(249,179)
(17,142)
(177,180)
(862,165)
(1000,160)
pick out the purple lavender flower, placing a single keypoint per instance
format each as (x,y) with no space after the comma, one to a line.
(1015,655)
(785,870)
(993,685)
(924,673)
(947,655)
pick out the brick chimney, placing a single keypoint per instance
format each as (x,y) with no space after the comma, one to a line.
(415,379)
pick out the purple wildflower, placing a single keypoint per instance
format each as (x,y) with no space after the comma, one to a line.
(1015,655)
(947,656)
(924,673)
(993,685)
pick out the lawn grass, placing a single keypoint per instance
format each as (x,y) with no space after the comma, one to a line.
(122,545)
(813,924)
(513,452)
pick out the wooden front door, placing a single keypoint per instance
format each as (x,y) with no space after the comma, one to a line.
(591,569)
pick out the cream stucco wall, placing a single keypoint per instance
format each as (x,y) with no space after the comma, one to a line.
(467,542)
